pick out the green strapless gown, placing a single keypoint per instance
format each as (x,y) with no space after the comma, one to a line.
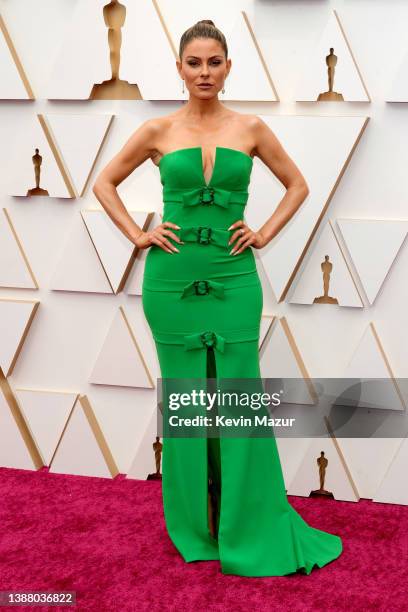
(204,309)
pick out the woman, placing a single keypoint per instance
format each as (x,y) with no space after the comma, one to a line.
(224,497)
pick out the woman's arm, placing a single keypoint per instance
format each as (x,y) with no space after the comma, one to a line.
(268,148)
(139,147)
(270,151)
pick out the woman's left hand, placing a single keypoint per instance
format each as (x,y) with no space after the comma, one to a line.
(246,237)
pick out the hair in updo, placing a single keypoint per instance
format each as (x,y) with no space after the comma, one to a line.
(203,29)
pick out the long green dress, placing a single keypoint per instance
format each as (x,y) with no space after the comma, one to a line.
(204,309)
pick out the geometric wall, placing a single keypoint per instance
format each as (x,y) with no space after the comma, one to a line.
(78,366)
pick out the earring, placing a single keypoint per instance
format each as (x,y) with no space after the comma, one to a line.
(183,85)
(223,90)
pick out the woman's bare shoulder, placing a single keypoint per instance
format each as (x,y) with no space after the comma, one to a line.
(252,122)
(247,123)
(246,119)
(155,126)
(151,132)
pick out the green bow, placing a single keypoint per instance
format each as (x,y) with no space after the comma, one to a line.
(207,196)
(216,288)
(204,339)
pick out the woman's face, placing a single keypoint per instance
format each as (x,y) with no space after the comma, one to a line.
(204,62)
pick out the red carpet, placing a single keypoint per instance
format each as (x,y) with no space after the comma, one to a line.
(106,540)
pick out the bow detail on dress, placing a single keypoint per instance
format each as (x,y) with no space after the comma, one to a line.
(207,195)
(204,339)
(202,287)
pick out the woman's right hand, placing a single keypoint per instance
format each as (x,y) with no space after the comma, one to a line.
(158,236)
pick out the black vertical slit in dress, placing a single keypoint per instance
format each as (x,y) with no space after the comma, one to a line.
(213,454)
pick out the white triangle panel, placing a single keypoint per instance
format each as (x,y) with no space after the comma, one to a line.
(291,452)
(278,360)
(79,153)
(336,481)
(394,488)
(369,362)
(120,361)
(13,450)
(15,317)
(373,264)
(11,84)
(79,267)
(369,459)
(155,73)
(347,80)
(256,85)
(135,284)
(113,247)
(322,147)
(78,451)
(266,322)
(46,413)
(14,270)
(22,170)
(311,282)
(83,59)
(144,462)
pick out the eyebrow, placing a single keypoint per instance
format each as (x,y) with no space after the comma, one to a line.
(195,57)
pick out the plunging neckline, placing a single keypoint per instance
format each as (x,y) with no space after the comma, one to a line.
(200,148)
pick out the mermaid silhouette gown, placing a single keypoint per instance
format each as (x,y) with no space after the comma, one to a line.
(204,308)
